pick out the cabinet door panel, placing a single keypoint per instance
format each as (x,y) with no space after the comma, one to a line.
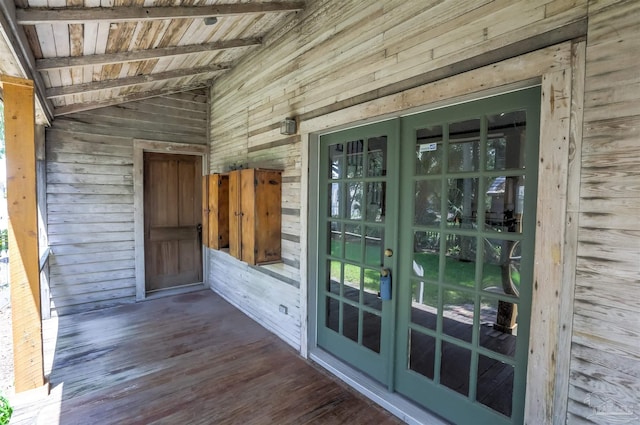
(219,211)
(248,220)
(235,230)
(255,198)
(268,222)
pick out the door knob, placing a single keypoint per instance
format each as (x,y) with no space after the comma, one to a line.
(388,252)
(384,272)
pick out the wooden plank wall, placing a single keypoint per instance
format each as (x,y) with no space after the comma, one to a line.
(330,53)
(90,194)
(334,51)
(605,355)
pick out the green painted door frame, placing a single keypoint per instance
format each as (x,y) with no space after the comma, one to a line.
(445,172)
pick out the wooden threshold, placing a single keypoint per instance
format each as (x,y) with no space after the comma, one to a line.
(191,358)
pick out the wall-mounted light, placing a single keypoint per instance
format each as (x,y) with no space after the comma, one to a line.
(210,20)
(288,126)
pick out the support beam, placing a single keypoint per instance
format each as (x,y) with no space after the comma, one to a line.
(82,15)
(133,81)
(24,264)
(140,55)
(79,107)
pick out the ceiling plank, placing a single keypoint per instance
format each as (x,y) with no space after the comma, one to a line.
(87,106)
(80,15)
(18,43)
(139,55)
(133,81)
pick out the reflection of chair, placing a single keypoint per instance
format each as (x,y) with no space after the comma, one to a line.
(419,271)
(506,318)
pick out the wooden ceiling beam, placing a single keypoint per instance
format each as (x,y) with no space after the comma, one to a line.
(88,106)
(140,55)
(133,81)
(81,15)
(17,41)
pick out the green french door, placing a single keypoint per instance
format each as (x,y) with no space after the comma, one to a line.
(358,220)
(444,203)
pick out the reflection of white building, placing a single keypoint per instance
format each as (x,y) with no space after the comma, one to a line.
(505,194)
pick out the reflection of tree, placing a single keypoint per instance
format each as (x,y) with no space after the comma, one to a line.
(464,156)
(427,192)
(354,200)
(377,149)
(495,153)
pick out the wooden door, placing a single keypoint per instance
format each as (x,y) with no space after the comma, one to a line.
(172,220)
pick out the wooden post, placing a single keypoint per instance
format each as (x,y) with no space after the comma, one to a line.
(19,110)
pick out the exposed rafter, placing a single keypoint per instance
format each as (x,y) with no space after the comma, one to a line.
(81,15)
(139,55)
(87,106)
(132,81)
(17,40)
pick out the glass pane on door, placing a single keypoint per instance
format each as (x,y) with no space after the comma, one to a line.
(356,166)
(365,204)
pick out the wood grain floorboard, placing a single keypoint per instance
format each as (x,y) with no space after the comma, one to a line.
(186,359)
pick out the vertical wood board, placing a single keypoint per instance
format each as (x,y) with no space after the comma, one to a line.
(268,217)
(24,267)
(550,248)
(219,211)
(235,220)
(248,209)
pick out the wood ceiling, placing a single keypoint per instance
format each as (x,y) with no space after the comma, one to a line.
(86,54)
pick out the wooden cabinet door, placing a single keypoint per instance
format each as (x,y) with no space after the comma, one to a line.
(255,197)
(172,220)
(218,187)
(235,211)
(267,219)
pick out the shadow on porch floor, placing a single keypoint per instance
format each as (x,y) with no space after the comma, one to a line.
(186,359)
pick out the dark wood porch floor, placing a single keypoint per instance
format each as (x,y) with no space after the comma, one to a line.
(186,359)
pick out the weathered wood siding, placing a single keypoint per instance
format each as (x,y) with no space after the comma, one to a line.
(90,194)
(336,53)
(330,53)
(605,355)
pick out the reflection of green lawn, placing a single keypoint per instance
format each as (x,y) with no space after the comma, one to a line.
(456,272)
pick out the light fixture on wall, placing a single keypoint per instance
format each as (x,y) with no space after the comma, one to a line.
(210,20)
(288,126)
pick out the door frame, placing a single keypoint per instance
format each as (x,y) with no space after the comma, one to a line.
(140,146)
(560,71)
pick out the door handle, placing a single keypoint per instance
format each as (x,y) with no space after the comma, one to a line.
(385,284)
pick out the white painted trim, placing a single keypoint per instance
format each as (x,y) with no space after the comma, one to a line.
(139,147)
